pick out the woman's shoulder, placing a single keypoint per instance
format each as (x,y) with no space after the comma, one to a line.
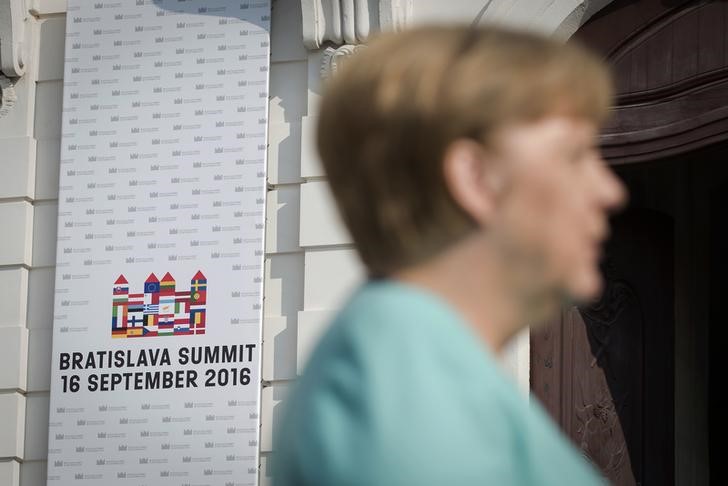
(396,340)
(387,323)
(389,308)
(392,383)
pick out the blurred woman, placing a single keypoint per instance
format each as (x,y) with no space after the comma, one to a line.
(465,166)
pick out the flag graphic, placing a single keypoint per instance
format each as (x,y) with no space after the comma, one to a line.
(161,310)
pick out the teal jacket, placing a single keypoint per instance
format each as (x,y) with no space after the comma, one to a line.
(400,391)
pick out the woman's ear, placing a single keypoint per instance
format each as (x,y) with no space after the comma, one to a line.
(473,178)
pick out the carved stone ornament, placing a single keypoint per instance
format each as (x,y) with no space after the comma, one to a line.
(12,35)
(350,21)
(334,58)
(7,95)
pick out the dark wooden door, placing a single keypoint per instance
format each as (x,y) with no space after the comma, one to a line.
(604,371)
(627,377)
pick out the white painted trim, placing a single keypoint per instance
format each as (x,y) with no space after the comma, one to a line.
(13,16)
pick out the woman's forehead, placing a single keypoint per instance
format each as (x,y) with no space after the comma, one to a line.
(552,130)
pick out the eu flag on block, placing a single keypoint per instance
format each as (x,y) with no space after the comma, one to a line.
(151,287)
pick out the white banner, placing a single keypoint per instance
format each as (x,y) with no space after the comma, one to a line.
(158,298)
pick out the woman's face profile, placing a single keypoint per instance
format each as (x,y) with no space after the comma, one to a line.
(552,216)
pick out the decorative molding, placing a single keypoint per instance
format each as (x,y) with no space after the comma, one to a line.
(7,95)
(578,16)
(394,14)
(560,18)
(350,21)
(334,58)
(12,34)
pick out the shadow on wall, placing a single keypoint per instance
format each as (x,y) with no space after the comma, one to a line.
(235,9)
(287,273)
(287,105)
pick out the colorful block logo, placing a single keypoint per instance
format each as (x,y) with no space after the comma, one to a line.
(161,310)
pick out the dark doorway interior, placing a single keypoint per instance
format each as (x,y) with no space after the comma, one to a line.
(717,334)
(634,378)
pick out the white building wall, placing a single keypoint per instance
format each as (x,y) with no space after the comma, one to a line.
(283,290)
(25,201)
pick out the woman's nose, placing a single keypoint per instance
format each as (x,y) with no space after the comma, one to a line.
(613,192)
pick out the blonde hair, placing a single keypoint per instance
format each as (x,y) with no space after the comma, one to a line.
(391,111)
